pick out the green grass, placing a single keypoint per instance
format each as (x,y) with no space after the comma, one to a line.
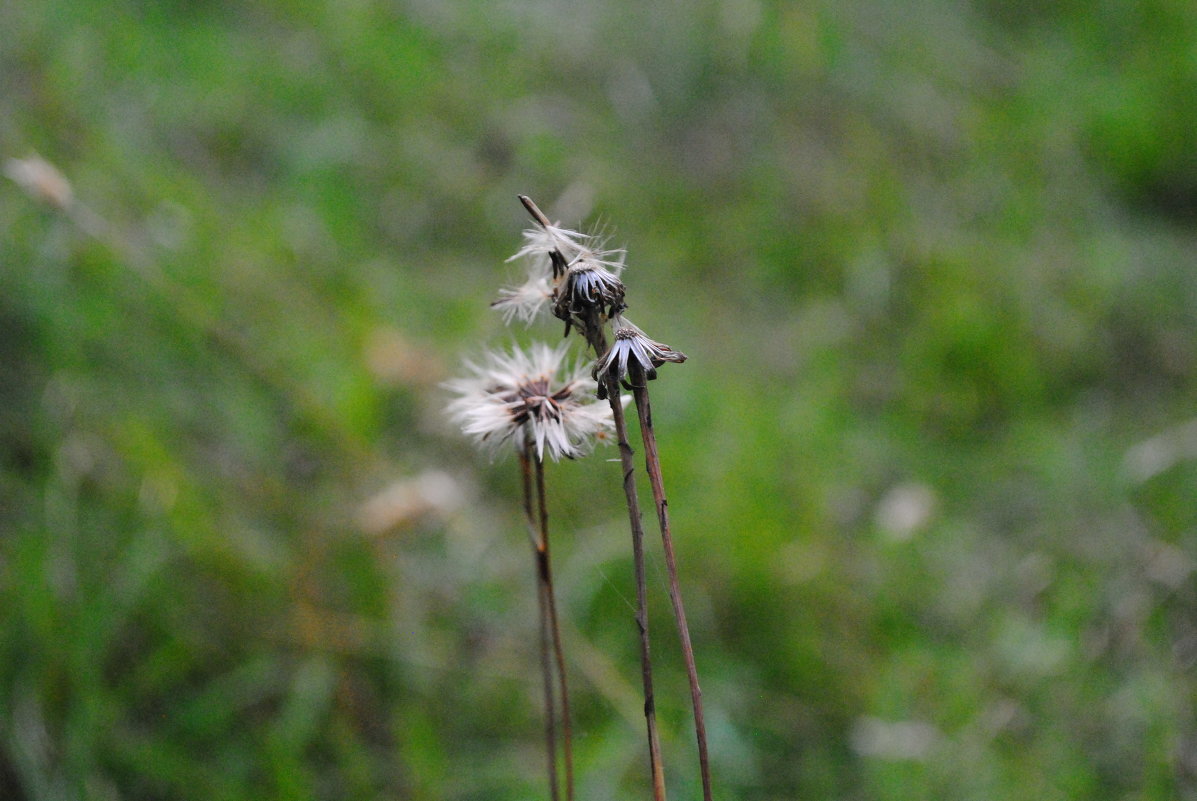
(935,250)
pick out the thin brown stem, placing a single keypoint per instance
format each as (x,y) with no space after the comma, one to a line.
(634,518)
(592,331)
(550,708)
(535,211)
(653,466)
(556,257)
(555,631)
(550,712)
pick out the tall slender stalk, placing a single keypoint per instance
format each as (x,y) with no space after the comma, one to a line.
(656,765)
(592,330)
(555,630)
(550,708)
(652,460)
(542,603)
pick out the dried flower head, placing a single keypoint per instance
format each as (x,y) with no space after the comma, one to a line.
(531,399)
(579,274)
(588,290)
(632,345)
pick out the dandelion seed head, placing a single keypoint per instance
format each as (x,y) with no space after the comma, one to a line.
(530,399)
(577,270)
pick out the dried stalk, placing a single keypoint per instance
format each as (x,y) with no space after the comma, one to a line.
(652,460)
(542,603)
(634,519)
(592,331)
(555,630)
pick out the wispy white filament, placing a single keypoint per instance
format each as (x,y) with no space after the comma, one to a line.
(530,398)
(567,267)
(525,301)
(539,242)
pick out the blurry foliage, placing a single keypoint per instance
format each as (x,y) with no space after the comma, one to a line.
(931,461)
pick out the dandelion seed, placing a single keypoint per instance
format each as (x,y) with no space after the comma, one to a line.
(633,344)
(531,399)
(550,248)
(524,302)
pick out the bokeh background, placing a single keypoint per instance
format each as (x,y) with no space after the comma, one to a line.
(932,462)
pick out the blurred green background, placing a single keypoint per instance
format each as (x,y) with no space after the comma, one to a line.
(932,462)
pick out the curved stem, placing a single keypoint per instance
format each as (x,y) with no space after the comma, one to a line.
(653,466)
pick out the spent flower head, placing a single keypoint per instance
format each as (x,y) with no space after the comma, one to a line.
(588,291)
(575,271)
(631,346)
(531,399)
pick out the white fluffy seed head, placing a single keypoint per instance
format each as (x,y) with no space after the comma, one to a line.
(548,250)
(531,399)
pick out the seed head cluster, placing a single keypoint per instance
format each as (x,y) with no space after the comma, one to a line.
(531,399)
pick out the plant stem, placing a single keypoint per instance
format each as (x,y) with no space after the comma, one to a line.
(652,462)
(556,257)
(634,518)
(555,630)
(550,712)
(592,331)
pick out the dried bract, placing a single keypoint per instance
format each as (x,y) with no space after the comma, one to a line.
(588,291)
(632,345)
